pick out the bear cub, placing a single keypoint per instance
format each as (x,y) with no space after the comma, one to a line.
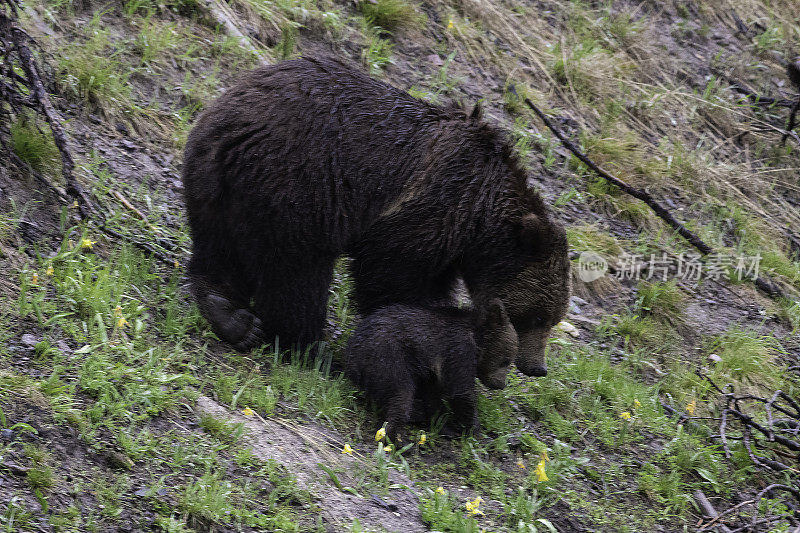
(409,359)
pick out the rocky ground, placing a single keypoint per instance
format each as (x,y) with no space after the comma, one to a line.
(121,411)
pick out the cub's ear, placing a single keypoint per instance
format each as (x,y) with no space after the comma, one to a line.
(495,314)
(477,112)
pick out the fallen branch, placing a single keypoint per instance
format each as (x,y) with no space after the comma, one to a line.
(27,89)
(709,511)
(792,121)
(662,212)
(33,81)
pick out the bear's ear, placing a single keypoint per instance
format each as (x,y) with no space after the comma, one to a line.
(495,315)
(477,112)
(532,233)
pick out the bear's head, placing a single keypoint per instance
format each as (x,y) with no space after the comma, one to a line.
(497,344)
(537,296)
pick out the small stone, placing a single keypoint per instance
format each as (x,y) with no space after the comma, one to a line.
(568,328)
(63,347)
(434,59)
(30,340)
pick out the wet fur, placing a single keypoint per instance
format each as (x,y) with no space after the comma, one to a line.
(409,359)
(306,160)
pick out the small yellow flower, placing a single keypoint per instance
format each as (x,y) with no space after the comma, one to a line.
(541,474)
(636,403)
(691,406)
(176,264)
(75,204)
(521,465)
(248,412)
(35,278)
(50,271)
(380,434)
(347,449)
(422,438)
(86,244)
(388,448)
(473,506)
(450,24)
(440,490)
(118,311)
(121,322)
(625,415)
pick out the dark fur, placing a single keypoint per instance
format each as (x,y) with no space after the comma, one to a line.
(309,159)
(404,356)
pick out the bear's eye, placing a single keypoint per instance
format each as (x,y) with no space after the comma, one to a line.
(529,320)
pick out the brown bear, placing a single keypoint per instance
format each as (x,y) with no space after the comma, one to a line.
(307,160)
(403,355)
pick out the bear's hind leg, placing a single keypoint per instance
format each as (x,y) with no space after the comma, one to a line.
(292,301)
(222,297)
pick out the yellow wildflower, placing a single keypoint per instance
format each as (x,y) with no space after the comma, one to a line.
(86,244)
(121,322)
(35,278)
(422,438)
(473,506)
(347,449)
(75,204)
(380,434)
(388,448)
(440,490)
(691,406)
(449,24)
(50,270)
(176,264)
(520,464)
(248,412)
(541,474)
(625,415)
(118,311)
(636,403)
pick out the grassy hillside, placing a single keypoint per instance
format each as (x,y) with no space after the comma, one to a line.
(121,411)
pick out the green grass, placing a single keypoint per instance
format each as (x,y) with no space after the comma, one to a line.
(92,68)
(390,14)
(33,142)
(120,353)
(377,52)
(155,40)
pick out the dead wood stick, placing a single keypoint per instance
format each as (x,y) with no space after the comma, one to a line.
(725,513)
(792,121)
(662,212)
(38,92)
(709,511)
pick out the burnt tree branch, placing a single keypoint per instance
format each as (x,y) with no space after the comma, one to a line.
(662,212)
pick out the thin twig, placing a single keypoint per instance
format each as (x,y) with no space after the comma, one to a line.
(662,212)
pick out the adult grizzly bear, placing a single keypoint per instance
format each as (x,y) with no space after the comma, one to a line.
(304,161)
(406,354)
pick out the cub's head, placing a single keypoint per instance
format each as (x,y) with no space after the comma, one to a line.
(497,344)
